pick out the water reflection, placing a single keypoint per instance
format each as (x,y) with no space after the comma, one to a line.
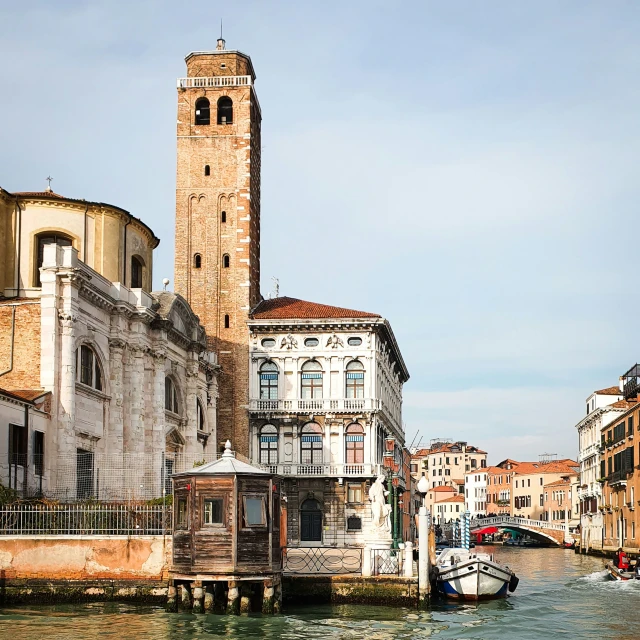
(560,594)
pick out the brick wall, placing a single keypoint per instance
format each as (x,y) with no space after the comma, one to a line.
(26,354)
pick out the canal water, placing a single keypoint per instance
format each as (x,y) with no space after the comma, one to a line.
(561,595)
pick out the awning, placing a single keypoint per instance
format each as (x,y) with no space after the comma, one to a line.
(486,531)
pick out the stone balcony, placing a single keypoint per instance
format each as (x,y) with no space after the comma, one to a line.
(324,470)
(214,81)
(316,405)
(591,450)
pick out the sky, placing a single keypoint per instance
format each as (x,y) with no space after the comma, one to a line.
(466,169)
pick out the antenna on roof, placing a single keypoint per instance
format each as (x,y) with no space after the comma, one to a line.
(546,458)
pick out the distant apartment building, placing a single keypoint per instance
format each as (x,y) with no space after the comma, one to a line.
(499,487)
(449,509)
(528,481)
(439,494)
(619,475)
(561,505)
(475,492)
(445,462)
(603,407)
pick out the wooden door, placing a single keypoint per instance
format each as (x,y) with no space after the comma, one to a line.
(311,526)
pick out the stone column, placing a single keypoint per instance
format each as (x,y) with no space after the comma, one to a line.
(190,410)
(186,595)
(172,603)
(157,445)
(408,559)
(268,596)
(116,377)
(133,432)
(67,406)
(208,598)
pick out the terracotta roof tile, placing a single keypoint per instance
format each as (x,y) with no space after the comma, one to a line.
(458,480)
(29,395)
(609,391)
(557,483)
(39,194)
(528,468)
(285,308)
(445,488)
(457,498)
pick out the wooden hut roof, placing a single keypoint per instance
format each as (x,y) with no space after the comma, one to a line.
(227,464)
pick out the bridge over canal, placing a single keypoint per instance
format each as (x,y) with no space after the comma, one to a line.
(540,530)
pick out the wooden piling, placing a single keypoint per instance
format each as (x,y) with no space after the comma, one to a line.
(185,595)
(172,602)
(233,598)
(268,597)
(198,595)
(208,598)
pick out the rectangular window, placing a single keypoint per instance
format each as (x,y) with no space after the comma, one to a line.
(630,426)
(181,514)
(541,500)
(447,459)
(311,449)
(254,512)
(17,445)
(447,472)
(212,511)
(38,453)
(354,493)
(311,386)
(541,482)
(528,482)
(268,386)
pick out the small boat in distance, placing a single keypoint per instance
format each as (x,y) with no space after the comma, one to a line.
(463,575)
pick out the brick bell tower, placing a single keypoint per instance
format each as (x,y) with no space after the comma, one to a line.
(217,257)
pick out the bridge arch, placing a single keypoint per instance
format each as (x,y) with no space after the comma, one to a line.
(536,529)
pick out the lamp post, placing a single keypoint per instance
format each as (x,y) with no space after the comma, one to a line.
(423,541)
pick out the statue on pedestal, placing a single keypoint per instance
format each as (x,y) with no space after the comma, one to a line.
(380,510)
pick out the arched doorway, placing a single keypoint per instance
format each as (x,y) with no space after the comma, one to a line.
(310,521)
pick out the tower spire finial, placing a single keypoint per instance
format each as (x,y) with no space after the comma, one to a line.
(221,43)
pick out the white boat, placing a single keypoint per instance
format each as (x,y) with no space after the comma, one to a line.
(464,575)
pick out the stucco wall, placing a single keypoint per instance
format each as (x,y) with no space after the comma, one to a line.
(86,557)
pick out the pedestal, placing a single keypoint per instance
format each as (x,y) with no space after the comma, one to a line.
(375,552)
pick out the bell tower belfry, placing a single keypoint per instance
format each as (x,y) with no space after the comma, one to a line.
(217,252)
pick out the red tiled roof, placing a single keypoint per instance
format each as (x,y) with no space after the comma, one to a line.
(557,483)
(39,194)
(285,308)
(527,468)
(609,391)
(457,498)
(28,395)
(444,488)
(458,480)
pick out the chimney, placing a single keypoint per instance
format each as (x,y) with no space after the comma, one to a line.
(220,46)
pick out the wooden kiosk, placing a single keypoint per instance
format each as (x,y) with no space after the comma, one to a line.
(226,538)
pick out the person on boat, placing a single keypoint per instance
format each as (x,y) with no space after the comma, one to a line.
(621,560)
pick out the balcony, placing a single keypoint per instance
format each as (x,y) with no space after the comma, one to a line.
(324,470)
(618,478)
(591,450)
(316,406)
(217,81)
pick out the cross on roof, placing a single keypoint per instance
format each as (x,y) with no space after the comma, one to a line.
(49,179)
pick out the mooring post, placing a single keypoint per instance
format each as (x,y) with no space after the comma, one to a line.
(208,598)
(172,603)
(233,598)
(366,561)
(423,553)
(186,595)
(408,559)
(268,596)
(245,597)
(277,598)
(198,595)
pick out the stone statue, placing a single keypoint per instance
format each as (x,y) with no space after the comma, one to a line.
(289,342)
(379,508)
(335,341)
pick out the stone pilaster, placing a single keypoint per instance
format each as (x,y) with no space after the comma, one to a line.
(67,407)
(190,410)
(115,442)
(133,429)
(157,444)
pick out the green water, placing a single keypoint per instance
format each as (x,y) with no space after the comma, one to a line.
(561,595)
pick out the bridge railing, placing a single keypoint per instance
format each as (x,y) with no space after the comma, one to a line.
(510,520)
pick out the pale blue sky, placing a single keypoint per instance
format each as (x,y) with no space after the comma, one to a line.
(466,169)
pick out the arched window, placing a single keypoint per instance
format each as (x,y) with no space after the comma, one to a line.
(207,170)
(223,216)
(226,321)
(225,261)
(170,396)
(354,383)
(311,383)
(88,368)
(203,111)
(354,444)
(45,239)
(225,110)
(311,444)
(268,444)
(136,273)
(200,416)
(269,381)
(197,261)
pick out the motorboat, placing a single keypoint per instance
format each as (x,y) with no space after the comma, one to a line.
(464,575)
(621,574)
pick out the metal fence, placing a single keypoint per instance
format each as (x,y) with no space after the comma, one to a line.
(75,519)
(386,561)
(322,560)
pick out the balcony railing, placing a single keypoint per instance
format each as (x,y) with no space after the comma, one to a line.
(591,450)
(618,477)
(326,470)
(316,405)
(217,81)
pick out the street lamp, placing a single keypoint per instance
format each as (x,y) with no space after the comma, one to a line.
(423,540)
